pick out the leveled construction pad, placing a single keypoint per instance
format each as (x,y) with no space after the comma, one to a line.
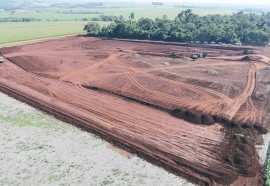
(124,90)
(145,72)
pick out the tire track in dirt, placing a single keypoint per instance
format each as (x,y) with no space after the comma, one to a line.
(211,105)
(193,65)
(249,114)
(246,94)
(68,76)
(131,74)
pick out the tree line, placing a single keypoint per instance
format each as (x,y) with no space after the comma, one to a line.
(11,19)
(247,28)
(79,12)
(108,18)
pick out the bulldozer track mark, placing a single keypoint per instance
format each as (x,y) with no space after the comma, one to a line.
(246,94)
(88,69)
(250,114)
(173,100)
(130,75)
(193,65)
(196,89)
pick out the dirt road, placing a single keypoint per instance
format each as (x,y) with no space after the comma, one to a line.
(246,94)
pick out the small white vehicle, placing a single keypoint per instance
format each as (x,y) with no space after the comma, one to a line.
(1,59)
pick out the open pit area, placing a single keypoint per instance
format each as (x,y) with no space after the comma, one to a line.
(200,119)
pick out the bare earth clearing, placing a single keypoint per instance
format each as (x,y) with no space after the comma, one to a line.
(134,95)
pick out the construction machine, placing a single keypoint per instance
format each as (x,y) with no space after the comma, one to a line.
(1,59)
(198,55)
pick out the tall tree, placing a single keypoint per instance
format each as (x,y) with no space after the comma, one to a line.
(131,16)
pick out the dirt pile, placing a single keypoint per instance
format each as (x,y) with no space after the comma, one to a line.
(252,58)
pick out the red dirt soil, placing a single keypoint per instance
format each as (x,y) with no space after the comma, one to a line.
(120,90)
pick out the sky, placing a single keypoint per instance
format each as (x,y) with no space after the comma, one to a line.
(239,2)
(186,1)
(217,1)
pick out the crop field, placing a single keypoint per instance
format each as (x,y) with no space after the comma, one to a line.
(14,32)
(76,14)
(200,119)
(152,12)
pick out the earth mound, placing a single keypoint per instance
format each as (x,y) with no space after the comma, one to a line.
(252,58)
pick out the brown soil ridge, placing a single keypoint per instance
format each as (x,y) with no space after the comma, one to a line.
(191,116)
(183,44)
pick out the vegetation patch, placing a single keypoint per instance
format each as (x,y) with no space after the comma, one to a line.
(187,26)
(23,31)
(27,120)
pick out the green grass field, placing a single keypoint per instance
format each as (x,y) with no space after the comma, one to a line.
(47,14)
(152,12)
(14,32)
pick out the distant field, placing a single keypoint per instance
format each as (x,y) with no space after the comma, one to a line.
(61,21)
(50,14)
(14,32)
(151,12)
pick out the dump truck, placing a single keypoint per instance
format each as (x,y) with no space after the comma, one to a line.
(200,55)
(1,59)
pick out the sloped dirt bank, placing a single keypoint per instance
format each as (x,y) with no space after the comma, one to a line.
(226,159)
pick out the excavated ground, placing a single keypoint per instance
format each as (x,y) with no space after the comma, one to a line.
(128,92)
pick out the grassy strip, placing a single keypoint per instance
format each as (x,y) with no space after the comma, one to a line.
(24,119)
(267,168)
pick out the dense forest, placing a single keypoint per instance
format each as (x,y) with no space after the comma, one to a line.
(247,28)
